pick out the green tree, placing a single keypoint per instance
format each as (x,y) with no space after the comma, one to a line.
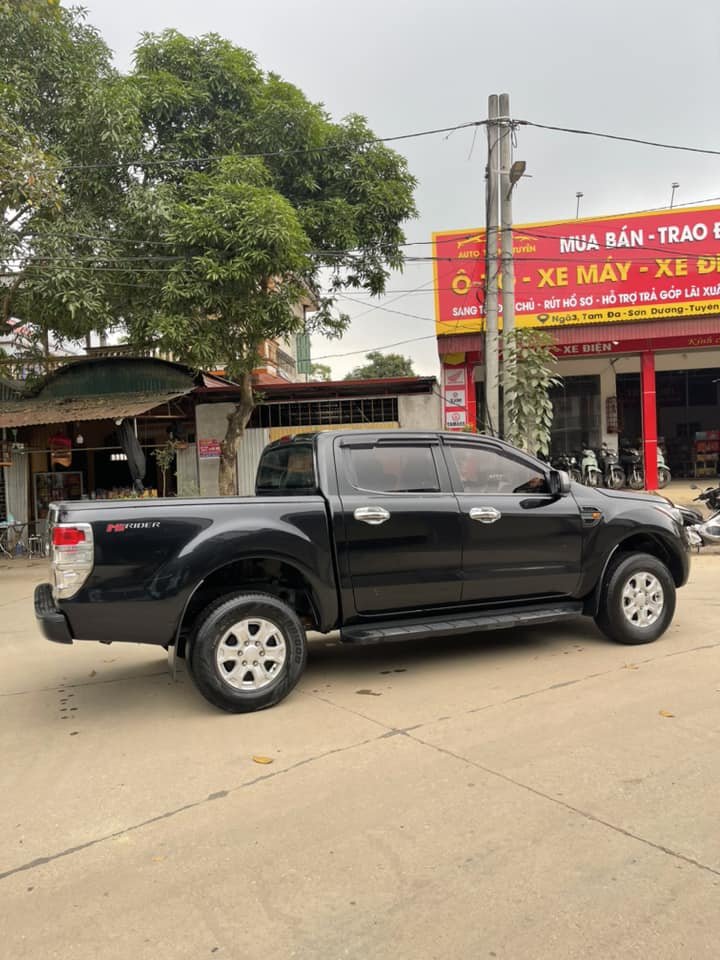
(67,120)
(255,191)
(320,371)
(529,353)
(381,365)
(197,202)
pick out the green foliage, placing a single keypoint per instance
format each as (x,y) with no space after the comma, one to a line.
(381,365)
(254,233)
(164,457)
(61,104)
(133,201)
(320,372)
(528,354)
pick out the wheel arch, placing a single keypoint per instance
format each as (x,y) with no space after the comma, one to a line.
(637,543)
(267,574)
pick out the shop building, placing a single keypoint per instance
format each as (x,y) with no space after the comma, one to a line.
(79,433)
(289,408)
(639,358)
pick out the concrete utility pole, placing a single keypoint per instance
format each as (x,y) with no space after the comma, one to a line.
(508,272)
(492,400)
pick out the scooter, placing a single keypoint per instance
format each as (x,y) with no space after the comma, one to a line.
(709,530)
(589,469)
(664,475)
(613,474)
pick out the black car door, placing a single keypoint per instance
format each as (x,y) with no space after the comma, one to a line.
(518,540)
(401,546)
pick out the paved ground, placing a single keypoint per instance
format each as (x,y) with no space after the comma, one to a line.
(513,796)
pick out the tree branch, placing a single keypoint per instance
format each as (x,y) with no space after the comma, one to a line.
(7,299)
(21,213)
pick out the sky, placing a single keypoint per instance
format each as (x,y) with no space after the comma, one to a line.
(640,68)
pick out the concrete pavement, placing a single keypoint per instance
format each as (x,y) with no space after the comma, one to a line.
(517,795)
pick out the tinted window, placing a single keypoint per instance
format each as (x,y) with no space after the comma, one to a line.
(394,469)
(288,468)
(481,470)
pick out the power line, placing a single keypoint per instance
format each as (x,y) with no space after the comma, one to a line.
(400,313)
(615,136)
(369,141)
(338,252)
(365,350)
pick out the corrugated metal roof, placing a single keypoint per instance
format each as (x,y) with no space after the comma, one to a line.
(9,391)
(25,413)
(114,376)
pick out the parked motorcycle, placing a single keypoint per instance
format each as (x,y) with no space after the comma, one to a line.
(612,473)
(709,496)
(706,530)
(631,463)
(568,463)
(590,473)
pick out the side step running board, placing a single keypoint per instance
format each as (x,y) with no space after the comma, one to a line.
(449,626)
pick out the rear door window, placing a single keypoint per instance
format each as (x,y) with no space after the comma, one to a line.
(289,468)
(390,468)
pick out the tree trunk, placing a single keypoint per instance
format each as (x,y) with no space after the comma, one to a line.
(237,421)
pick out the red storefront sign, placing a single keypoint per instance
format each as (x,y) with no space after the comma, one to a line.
(637,267)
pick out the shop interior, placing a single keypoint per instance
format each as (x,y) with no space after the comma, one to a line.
(688,411)
(90,461)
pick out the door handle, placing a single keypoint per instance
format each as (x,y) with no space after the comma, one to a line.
(372,515)
(485,514)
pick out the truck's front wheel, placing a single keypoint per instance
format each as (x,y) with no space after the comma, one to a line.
(637,601)
(248,652)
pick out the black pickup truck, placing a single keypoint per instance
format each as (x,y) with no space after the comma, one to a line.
(383,535)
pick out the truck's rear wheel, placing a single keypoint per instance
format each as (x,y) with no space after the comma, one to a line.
(248,652)
(637,601)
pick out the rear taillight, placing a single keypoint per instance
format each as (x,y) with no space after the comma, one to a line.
(67,536)
(71,557)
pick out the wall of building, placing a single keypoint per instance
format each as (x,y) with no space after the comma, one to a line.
(420,411)
(210,425)
(188,481)
(251,446)
(415,412)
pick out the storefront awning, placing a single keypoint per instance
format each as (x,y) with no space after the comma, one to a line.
(682,333)
(29,412)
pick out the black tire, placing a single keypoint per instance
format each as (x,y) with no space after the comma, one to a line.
(215,623)
(664,477)
(616,478)
(612,619)
(575,475)
(636,480)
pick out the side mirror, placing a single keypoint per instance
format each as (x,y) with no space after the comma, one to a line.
(559,483)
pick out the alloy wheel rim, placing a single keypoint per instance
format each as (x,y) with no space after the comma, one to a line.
(643,599)
(251,654)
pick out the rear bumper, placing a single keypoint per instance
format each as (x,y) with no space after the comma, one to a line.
(52,621)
